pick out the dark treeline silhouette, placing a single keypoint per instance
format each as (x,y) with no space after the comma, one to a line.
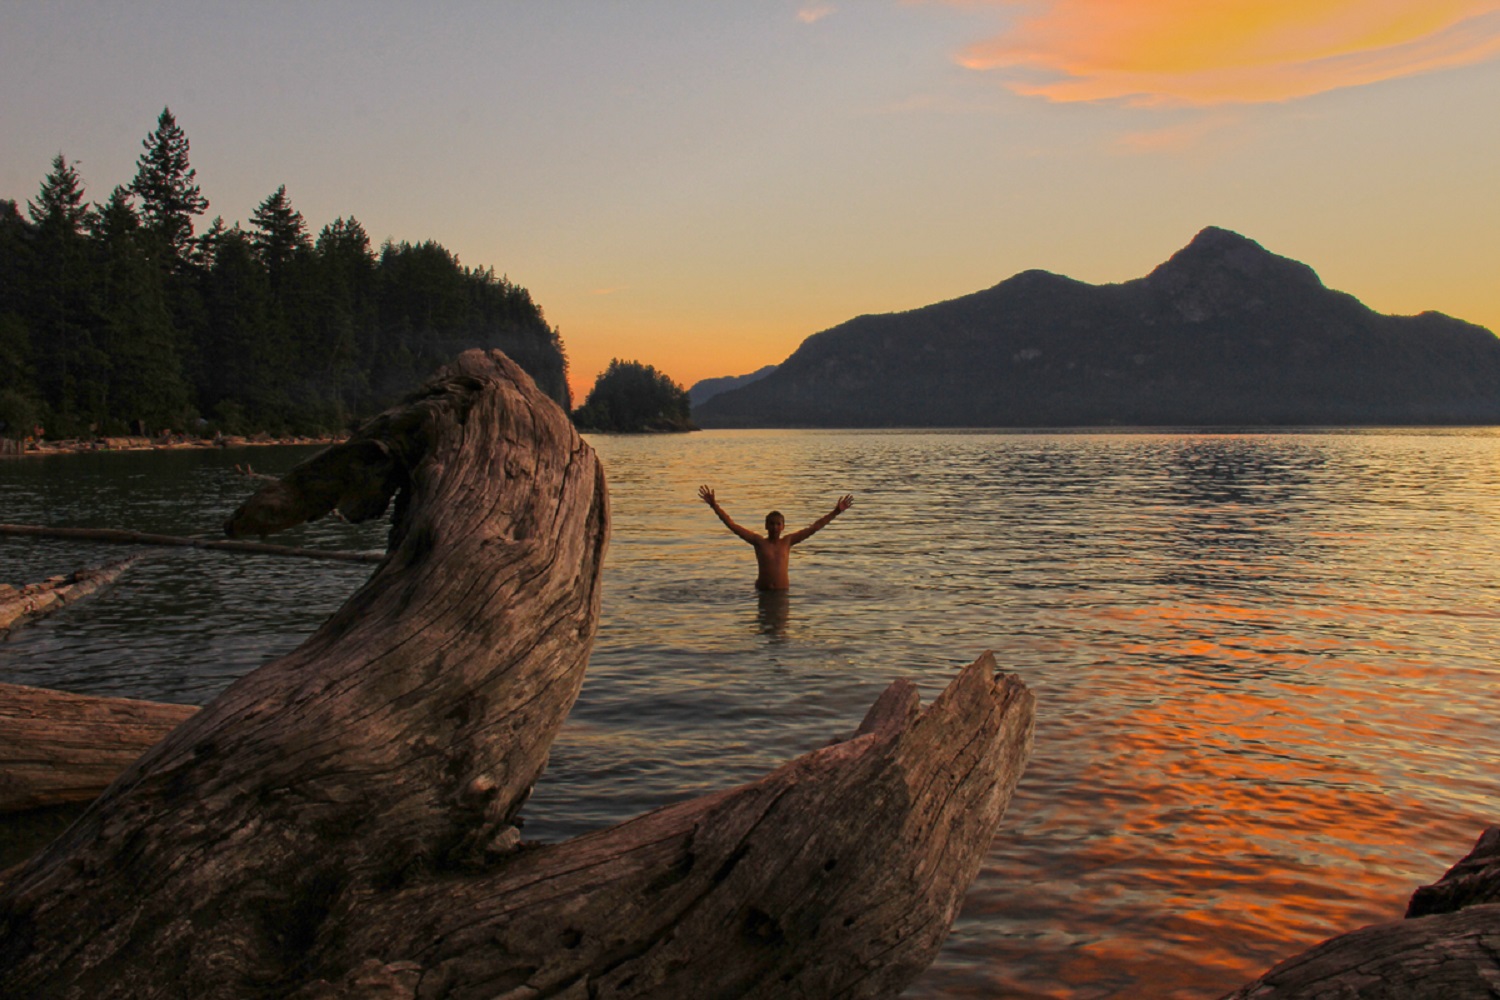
(115,317)
(630,397)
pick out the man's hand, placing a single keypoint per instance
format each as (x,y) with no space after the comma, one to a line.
(845,502)
(706,495)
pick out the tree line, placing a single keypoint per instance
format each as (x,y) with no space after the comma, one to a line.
(119,317)
(630,397)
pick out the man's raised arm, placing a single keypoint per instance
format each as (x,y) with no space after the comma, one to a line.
(706,494)
(845,502)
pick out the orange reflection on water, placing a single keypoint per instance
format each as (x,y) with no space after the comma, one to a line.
(1242,802)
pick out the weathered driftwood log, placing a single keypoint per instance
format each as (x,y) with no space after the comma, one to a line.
(337,823)
(119,536)
(1447,948)
(396,743)
(58,748)
(837,875)
(36,600)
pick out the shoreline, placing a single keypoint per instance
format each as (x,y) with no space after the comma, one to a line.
(10,448)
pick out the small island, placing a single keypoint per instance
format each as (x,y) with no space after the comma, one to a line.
(633,398)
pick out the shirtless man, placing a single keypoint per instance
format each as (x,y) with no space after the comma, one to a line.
(773,550)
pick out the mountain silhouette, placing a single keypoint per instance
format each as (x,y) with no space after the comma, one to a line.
(1224,333)
(703,390)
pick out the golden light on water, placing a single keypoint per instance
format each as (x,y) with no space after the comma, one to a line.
(1264,663)
(1251,792)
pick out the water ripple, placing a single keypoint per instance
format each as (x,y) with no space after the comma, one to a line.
(1264,662)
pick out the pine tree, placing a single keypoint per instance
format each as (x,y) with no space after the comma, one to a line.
(346,313)
(71,371)
(292,346)
(133,328)
(59,207)
(278,233)
(18,401)
(167,185)
(236,384)
(206,245)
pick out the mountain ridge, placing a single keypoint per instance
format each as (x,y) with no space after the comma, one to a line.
(1224,332)
(705,389)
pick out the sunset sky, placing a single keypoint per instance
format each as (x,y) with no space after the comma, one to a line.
(700,186)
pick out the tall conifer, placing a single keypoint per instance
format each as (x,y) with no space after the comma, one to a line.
(18,402)
(59,207)
(147,385)
(71,372)
(278,232)
(167,185)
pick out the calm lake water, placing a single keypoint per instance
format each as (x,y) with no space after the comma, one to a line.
(1265,663)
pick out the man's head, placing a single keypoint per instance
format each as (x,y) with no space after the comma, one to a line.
(775,524)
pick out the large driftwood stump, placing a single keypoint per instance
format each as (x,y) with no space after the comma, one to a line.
(338,823)
(1447,948)
(396,743)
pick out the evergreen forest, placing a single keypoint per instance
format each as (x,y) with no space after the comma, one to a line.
(120,317)
(630,397)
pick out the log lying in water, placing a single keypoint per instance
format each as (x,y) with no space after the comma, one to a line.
(339,822)
(1447,948)
(58,748)
(120,536)
(36,600)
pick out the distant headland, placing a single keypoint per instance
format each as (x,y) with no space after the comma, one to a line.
(119,319)
(1225,333)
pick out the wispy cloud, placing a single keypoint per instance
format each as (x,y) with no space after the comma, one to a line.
(1202,52)
(1211,132)
(813,13)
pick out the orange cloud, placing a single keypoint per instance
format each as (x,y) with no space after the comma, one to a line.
(1230,51)
(814,13)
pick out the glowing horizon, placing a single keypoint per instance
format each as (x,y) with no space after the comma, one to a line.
(702,187)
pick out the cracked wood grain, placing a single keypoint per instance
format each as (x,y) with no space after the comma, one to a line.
(338,823)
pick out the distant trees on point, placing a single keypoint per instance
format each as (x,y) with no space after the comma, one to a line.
(629,396)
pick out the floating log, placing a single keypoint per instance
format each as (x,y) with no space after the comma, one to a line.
(58,748)
(1447,948)
(118,536)
(341,822)
(36,600)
